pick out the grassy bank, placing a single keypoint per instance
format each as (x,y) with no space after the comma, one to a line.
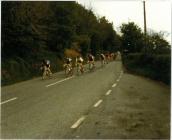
(157,67)
(18,69)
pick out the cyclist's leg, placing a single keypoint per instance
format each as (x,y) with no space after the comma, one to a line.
(71,69)
(90,65)
(49,71)
(64,66)
(67,69)
(77,68)
(93,64)
(82,68)
(101,62)
(44,72)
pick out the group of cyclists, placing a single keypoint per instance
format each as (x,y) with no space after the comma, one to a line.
(78,63)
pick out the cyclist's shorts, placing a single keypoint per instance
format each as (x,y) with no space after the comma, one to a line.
(91,61)
(79,61)
(68,62)
(102,57)
(48,65)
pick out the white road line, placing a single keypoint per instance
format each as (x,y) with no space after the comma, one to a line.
(114,85)
(117,80)
(78,122)
(59,81)
(98,103)
(108,92)
(120,75)
(8,100)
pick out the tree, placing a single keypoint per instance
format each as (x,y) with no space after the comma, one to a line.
(33,30)
(157,44)
(132,37)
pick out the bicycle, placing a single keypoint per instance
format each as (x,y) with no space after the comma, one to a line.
(91,66)
(80,68)
(68,70)
(46,72)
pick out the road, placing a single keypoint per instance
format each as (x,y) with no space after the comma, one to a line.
(105,103)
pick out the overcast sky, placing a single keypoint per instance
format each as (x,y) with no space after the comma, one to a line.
(158,13)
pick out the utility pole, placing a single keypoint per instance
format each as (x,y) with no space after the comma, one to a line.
(144,16)
(145,31)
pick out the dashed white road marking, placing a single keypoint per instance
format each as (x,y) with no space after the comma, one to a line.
(8,100)
(117,80)
(98,103)
(78,122)
(108,92)
(114,85)
(59,81)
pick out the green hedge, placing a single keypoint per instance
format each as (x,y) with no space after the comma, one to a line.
(157,67)
(17,69)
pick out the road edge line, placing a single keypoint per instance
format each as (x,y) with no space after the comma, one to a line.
(78,122)
(8,100)
(52,84)
(98,103)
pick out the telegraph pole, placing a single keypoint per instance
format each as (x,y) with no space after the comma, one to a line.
(145,30)
(144,17)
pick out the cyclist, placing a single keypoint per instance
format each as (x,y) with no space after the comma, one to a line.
(45,67)
(112,55)
(91,61)
(79,64)
(102,59)
(68,66)
(107,57)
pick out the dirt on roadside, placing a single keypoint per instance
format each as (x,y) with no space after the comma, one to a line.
(137,108)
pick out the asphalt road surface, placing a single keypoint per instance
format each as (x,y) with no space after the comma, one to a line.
(104,103)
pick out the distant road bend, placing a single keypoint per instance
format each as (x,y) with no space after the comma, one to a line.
(70,107)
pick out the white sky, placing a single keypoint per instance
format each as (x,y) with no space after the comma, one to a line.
(158,13)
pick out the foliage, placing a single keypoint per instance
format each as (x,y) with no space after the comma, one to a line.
(148,55)
(132,37)
(154,66)
(134,40)
(71,53)
(156,44)
(34,30)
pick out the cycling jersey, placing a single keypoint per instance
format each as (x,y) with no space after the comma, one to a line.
(68,60)
(48,62)
(91,58)
(80,60)
(102,56)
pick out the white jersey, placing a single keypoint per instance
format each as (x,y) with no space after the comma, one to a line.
(80,59)
(70,59)
(102,56)
(48,62)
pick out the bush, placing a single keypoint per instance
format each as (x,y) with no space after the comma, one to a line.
(14,71)
(154,66)
(18,69)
